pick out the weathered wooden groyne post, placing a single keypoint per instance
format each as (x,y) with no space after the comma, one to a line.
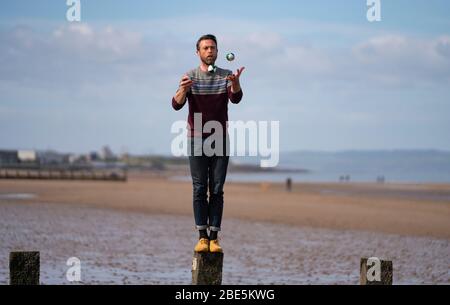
(374,271)
(207,268)
(24,268)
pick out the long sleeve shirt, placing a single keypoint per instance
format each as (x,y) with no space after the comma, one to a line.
(209,96)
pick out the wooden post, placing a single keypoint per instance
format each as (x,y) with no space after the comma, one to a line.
(207,268)
(24,268)
(374,271)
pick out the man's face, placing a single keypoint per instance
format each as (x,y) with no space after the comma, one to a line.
(207,51)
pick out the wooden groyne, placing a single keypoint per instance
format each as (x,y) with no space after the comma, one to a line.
(24,267)
(64,174)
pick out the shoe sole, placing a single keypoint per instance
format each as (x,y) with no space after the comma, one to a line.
(206,250)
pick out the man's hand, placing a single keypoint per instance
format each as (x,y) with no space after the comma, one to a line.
(234,78)
(185,83)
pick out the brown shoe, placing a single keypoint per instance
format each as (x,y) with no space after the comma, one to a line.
(202,245)
(214,246)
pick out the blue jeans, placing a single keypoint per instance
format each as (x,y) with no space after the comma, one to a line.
(207,172)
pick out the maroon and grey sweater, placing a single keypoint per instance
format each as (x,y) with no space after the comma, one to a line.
(209,95)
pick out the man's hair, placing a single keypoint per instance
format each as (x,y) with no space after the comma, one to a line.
(206,37)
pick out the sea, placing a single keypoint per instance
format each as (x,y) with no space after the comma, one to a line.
(397,166)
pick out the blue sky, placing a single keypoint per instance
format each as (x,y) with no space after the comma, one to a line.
(405,15)
(334,80)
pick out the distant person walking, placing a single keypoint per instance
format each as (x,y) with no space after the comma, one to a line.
(208,89)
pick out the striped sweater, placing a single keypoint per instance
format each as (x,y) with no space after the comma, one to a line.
(208,95)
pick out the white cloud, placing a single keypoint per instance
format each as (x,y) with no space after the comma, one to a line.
(396,59)
(103,44)
(132,70)
(442,46)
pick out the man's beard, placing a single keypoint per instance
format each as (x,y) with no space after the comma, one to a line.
(209,60)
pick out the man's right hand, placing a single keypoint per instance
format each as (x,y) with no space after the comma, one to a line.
(180,95)
(185,83)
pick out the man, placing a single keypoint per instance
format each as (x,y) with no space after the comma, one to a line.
(208,89)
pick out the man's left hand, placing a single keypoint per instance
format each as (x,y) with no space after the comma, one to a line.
(234,78)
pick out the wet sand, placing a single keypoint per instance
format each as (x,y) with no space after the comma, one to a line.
(408,209)
(142,231)
(117,247)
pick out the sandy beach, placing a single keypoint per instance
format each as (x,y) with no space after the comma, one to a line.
(142,231)
(409,209)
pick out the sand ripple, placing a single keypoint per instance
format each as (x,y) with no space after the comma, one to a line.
(117,247)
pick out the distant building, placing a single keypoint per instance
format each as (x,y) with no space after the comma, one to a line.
(8,157)
(107,154)
(73,158)
(78,158)
(52,158)
(124,157)
(27,156)
(93,156)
